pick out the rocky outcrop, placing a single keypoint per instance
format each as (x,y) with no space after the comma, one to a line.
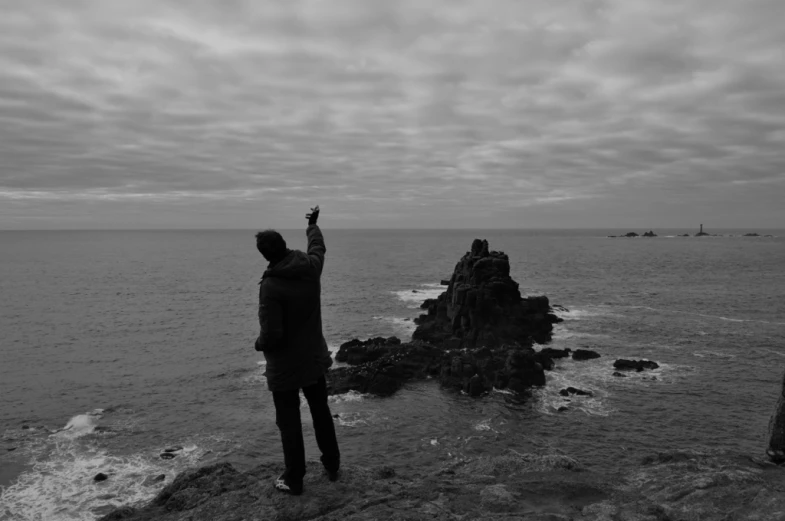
(681,485)
(357,351)
(776,449)
(585,354)
(482,306)
(634,365)
(649,234)
(474,371)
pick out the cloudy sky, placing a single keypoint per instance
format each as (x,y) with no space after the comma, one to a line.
(392,113)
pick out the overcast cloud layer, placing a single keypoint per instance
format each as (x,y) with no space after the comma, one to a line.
(405,113)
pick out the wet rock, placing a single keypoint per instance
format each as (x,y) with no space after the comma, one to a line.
(575,391)
(555,353)
(358,351)
(100,477)
(153,480)
(167,455)
(176,448)
(585,354)
(776,448)
(482,306)
(617,373)
(634,365)
(562,408)
(649,234)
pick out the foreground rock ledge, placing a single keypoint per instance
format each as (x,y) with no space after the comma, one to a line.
(682,485)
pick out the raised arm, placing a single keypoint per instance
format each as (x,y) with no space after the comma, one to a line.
(316,247)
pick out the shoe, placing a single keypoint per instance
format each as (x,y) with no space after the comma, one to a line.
(332,475)
(287,488)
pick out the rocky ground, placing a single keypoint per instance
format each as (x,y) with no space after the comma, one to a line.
(673,486)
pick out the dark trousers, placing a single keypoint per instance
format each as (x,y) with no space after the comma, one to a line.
(287,417)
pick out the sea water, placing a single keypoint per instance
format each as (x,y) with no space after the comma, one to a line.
(116,346)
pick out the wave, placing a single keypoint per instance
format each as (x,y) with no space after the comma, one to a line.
(404,327)
(415,297)
(351,396)
(59,481)
(713,354)
(727,319)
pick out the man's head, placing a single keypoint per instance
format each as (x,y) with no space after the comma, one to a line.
(271,245)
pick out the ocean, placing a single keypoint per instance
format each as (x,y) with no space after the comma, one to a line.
(118,345)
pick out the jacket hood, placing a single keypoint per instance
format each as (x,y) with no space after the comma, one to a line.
(296,265)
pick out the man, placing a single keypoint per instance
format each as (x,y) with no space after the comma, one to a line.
(291,339)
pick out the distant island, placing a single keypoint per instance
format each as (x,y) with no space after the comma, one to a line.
(700,233)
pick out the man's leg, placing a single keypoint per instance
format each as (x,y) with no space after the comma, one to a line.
(287,417)
(316,395)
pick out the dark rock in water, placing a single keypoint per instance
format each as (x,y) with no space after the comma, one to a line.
(634,365)
(415,291)
(562,409)
(555,353)
(650,234)
(358,351)
(474,371)
(482,306)
(173,449)
(752,235)
(630,234)
(167,455)
(445,282)
(25,427)
(684,235)
(100,477)
(152,480)
(617,373)
(776,449)
(585,354)
(574,390)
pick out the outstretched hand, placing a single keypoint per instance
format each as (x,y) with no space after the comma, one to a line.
(313,216)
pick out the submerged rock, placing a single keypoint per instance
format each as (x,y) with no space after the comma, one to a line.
(569,391)
(585,354)
(482,306)
(635,365)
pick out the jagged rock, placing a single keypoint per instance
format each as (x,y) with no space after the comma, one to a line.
(444,282)
(636,365)
(585,354)
(630,234)
(776,449)
(649,234)
(482,306)
(357,351)
(555,353)
(574,390)
(474,371)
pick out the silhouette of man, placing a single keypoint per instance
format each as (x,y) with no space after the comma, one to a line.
(291,339)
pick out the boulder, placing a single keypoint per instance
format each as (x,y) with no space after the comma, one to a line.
(569,391)
(100,477)
(584,354)
(358,351)
(483,306)
(634,365)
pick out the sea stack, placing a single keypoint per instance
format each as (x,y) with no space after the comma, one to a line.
(483,306)
(776,450)
(701,233)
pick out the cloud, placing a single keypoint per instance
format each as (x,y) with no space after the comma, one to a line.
(407,109)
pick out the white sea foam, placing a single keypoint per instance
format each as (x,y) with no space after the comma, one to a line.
(351,396)
(352,419)
(415,297)
(713,354)
(60,485)
(583,377)
(717,317)
(80,425)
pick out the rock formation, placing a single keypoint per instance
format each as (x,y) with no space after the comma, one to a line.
(776,450)
(585,354)
(358,351)
(677,485)
(650,234)
(635,365)
(482,306)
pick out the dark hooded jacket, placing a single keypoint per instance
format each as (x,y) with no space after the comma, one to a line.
(290,316)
